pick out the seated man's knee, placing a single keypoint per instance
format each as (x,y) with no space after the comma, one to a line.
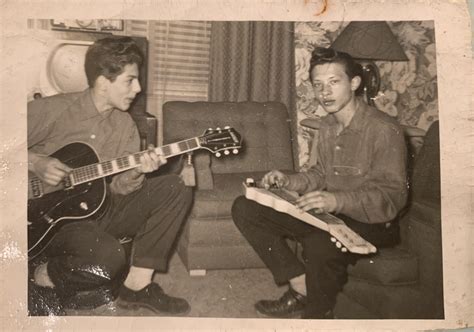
(172,182)
(242,208)
(110,255)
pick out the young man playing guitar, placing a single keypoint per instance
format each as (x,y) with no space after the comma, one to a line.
(360,176)
(86,254)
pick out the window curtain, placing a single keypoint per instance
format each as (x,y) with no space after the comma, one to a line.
(254,61)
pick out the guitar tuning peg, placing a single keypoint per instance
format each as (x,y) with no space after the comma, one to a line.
(333,239)
(226,152)
(344,249)
(235,151)
(227,127)
(338,244)
(218,154)
(218,128)
(210,129)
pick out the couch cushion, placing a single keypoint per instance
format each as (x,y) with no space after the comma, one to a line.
(392,302)
(217,203)
(391,266)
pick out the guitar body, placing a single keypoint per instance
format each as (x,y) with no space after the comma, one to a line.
(48,213)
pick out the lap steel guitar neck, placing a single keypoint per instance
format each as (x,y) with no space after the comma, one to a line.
(283,200)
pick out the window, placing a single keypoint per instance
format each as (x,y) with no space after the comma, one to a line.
(178,61)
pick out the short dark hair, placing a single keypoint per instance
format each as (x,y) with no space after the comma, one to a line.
(108,57)
(323,55)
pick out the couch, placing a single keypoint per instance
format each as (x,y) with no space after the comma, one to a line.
(405,281)
(400,282)
(210,239)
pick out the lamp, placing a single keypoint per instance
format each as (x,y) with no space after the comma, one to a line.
(366,41)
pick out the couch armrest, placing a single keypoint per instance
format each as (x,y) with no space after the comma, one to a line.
(147,128)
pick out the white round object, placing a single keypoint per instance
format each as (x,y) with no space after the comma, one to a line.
(66,68)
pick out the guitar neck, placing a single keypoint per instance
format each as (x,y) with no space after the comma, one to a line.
(114,166)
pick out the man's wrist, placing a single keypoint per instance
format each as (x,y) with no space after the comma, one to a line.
(292,183)
(32,160)
(135,174)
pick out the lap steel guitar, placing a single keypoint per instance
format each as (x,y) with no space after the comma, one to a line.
(283,200)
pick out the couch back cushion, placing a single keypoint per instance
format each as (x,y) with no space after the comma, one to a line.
(264,127)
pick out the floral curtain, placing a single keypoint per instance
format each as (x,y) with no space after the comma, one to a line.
(408,89)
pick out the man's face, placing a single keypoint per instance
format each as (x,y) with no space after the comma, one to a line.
(123,90)
(332,87)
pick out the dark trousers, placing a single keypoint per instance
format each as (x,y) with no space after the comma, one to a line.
(87,254)
(324,264)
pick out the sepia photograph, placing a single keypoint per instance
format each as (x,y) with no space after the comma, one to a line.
(280,171)
(99,229)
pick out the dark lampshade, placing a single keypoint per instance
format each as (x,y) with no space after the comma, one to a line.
(369,40)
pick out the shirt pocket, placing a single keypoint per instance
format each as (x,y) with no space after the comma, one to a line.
(352,171)
(346,178)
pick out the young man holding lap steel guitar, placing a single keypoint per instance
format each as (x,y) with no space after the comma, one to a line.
(360,177)
(86,254)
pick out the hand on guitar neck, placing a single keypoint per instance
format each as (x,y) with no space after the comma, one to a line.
(275,179)
(150,161)
(131,180)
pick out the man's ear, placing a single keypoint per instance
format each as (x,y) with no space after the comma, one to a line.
(101,83)
(355,83)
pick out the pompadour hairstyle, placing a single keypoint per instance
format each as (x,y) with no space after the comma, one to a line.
(109,56)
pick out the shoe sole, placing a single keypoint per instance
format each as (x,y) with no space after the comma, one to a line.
(138,305)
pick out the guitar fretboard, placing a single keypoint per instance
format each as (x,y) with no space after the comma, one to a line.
(109,167)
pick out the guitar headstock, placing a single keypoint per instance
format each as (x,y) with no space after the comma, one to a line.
(220,141)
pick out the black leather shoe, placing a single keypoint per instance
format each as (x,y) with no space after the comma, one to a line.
(154,298)
(43,301)
(87,300)
(290,305)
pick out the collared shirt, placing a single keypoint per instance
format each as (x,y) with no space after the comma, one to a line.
(56,121)
(364,166)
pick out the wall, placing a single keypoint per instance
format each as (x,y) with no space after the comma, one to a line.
(408,89)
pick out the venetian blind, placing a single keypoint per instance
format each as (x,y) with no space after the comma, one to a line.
(178,60)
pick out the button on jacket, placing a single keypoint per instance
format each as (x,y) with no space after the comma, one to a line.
(364,166)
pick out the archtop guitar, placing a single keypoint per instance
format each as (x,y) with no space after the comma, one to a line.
(82,193)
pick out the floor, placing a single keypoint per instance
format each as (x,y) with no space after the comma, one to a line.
(218,294)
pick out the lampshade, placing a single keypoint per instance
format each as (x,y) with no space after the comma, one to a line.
(369,40)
